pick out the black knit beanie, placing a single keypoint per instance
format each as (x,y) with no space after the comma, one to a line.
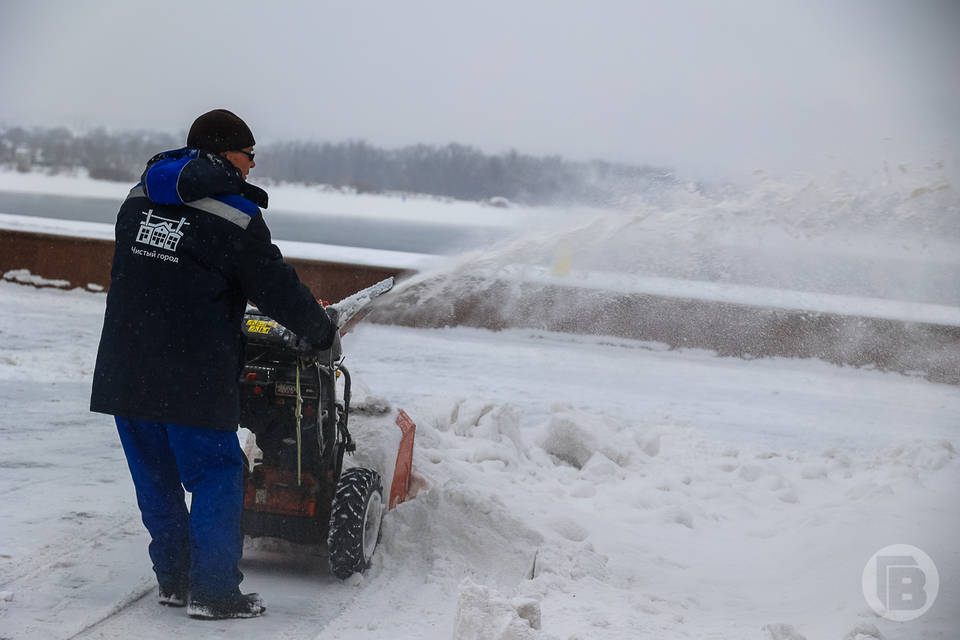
(219,130)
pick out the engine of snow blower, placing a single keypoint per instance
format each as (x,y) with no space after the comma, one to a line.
(297,404)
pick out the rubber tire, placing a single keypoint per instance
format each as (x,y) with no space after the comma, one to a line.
(350,525)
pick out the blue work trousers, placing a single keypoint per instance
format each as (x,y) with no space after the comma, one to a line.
(197,550)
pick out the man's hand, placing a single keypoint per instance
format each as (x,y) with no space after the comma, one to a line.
(335,349)
(299,344)
(334,314)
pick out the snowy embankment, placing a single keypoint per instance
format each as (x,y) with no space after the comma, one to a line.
(577,487)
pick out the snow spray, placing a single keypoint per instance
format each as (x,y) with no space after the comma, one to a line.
(788,267)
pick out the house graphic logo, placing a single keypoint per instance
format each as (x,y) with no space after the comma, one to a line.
(161,232)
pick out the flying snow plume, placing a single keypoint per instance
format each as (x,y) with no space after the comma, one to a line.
(701,266)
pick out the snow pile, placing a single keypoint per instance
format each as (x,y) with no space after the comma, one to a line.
(24,276)
(482,614)
(583,441)
(782,632)
(630,527)
(864,631)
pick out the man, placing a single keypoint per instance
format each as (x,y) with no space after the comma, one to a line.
(191,249)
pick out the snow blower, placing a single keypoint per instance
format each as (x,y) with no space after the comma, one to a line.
(298,491)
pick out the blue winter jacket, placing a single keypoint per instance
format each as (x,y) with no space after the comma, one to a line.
(191,249)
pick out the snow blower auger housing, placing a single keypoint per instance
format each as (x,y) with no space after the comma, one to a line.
(298,491)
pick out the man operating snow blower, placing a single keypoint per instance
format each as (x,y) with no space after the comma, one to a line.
(192,248)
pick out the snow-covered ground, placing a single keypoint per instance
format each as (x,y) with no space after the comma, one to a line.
(599,487)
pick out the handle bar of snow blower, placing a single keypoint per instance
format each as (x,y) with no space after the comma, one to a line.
(305,347)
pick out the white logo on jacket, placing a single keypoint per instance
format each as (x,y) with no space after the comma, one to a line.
(160,232)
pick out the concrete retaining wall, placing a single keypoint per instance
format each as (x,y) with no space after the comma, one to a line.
(741,330)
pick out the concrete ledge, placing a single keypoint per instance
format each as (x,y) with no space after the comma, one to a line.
(79,261)
(741,330)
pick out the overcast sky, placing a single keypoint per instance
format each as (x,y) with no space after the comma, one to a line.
(709,87)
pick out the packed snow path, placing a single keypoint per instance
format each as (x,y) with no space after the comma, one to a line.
(578,487)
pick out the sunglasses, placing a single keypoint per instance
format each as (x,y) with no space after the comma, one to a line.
(249,154)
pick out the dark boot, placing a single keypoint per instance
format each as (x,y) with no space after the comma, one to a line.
(248,605)
(172,597)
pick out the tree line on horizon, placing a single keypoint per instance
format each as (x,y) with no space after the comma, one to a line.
(453,170)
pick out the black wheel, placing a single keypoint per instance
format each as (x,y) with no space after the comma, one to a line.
(355,521)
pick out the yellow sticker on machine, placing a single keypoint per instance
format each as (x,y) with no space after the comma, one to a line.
(260,326)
